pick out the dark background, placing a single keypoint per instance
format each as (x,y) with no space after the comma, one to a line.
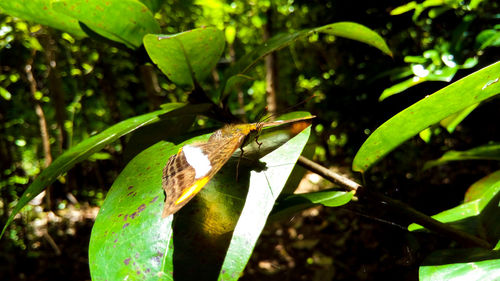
(100,85)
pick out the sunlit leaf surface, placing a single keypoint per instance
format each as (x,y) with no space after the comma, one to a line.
(133,241)
(192,52)
(466,92)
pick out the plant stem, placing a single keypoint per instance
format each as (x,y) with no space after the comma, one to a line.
(415,215)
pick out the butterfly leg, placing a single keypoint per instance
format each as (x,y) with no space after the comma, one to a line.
(257,141)
(238,163)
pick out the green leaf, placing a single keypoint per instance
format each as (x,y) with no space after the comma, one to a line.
(358,32)
(452,121)
(328,198)
(123,21)
(484,152)
(131,239)
(350,30)
(153,5)
(264,188)
(400,87)
(404,8)
(488,38)
(461,264)
(192,52)
(40,11)
(481,187)
(470,90)
(463,217)
(6,95)
(479,214)
(83,150)
(294,203)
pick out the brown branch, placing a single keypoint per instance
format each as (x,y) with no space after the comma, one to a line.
(44,132)
(42,121)
(416,216)
(271,69)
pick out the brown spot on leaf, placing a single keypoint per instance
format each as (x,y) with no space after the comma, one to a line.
(141,208)
(132,216)
(125,225)
(126,261)
(154,200)
(130,187)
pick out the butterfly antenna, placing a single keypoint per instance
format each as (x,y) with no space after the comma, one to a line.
(288,109)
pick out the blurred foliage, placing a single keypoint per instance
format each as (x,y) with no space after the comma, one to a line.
(102,84)
(442,55)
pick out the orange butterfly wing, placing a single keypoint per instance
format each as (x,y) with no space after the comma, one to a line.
(182,180)
(179,177)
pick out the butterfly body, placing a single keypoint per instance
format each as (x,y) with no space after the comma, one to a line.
(188,171)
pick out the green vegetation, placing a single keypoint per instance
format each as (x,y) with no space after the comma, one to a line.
(96,96)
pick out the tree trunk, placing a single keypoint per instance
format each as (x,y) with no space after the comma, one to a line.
(153,90)
(44,133)
(271,69)
(56,90)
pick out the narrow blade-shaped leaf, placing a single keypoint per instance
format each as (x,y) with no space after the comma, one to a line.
(484,152)
(479,214)
(350,30)
(82,151)
(452,121)
(294,203)
(478,189)
(470,90)
(264,188)
(461,264)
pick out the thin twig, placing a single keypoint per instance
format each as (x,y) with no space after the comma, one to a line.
(416,216)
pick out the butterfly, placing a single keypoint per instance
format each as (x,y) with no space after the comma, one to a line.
(188,171)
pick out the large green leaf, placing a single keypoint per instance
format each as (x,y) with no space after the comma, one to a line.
(480,213)
(484,152)
(123,21)
(192,52)
(40,11)
(236,73)
(88,147)
(461,264)
(470,90)
(131,240)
